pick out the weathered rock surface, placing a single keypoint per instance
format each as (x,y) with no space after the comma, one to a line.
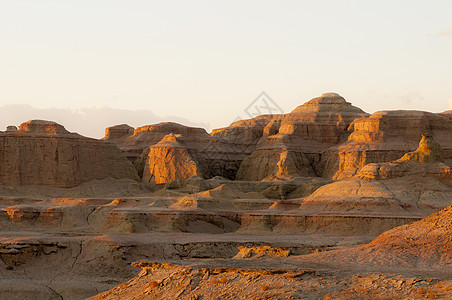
(302,135)
(386,136)
(426,160)
(45,153)
(212,156)
(76,234)
(411,196)
(429,151)
(276,278)
(168,160)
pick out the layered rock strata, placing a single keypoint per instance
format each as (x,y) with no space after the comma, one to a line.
(211,155)
(386,136)
(301,136)
(45,153)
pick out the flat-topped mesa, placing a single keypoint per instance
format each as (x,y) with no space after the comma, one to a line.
(118,131)
(44,153)
(304,133)
(11,128)
(42,127)
(386,136)
(244,135)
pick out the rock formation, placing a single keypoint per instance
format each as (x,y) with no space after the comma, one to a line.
(240,212)
(386,136)
(303,134)
(167,161)
(212,156)
(426,160)
(428,151)
(45,153)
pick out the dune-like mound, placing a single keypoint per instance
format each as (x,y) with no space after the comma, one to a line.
(45,153)
(411,196)
(425,244)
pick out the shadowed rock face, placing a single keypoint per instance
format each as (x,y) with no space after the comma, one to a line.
(45,153)
(118,132)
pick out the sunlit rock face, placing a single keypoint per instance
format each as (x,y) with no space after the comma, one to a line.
(301,135)
(428,151)
(45,153)
(386,136)
(325,137)
(426,160)
(212,155)
(169,160)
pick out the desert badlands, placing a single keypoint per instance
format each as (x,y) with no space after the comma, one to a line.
(324,202)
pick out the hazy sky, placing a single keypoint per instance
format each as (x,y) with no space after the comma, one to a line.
(204,62)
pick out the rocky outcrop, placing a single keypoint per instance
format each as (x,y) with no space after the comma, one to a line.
(45,153)
(167,161)
(212,156)
(428,151)
(135,143)
(301,135)
(386,136)
(275,164)
(326,136)
(243,136)
(426,160)
(118,132)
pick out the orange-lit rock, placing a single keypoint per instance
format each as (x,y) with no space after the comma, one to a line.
(304,133)
(167,161)
(386,136)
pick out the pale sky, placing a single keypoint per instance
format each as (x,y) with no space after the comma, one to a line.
(91,64)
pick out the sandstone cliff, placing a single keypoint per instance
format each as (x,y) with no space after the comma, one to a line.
(45,153)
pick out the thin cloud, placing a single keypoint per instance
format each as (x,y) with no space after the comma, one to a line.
(410,97)
(89,121)
(446,32)
(450,104)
